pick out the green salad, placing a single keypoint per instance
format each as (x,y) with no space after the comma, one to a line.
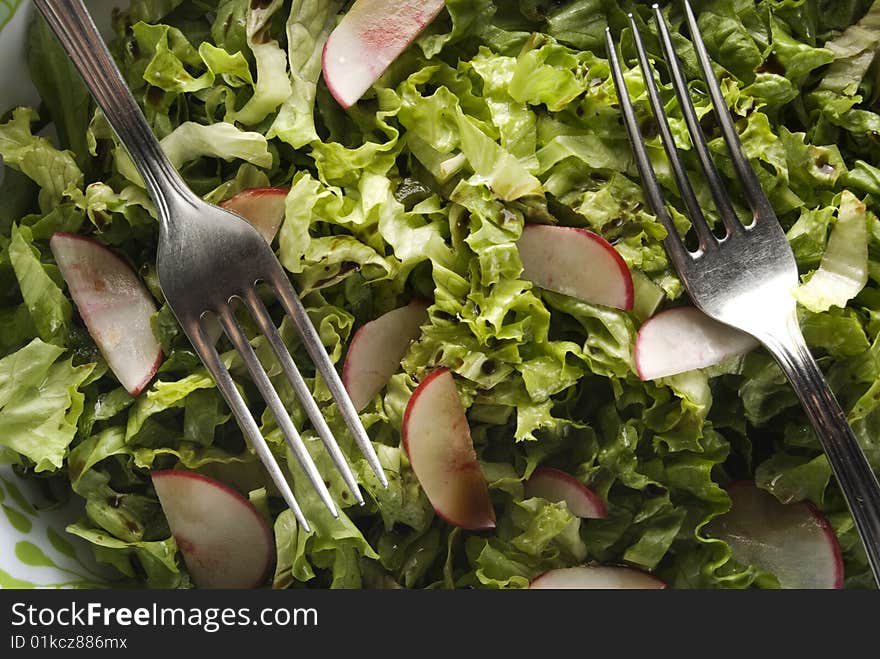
(500,115)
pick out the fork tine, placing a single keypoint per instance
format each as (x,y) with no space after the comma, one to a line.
(679,82)
(704,233)
(282,417)
(295,309)
(267,327)
(751,187)
(674,246)
(246,422)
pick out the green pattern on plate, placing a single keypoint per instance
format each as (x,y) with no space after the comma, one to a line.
(7,9)
(29,554)
(21,523)
(30,550)
(60,543)
(8,581)
(16,494)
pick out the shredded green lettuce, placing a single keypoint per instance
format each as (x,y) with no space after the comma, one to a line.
(499,115)
(54,171)
(308,26)
(843,272)
(40,403)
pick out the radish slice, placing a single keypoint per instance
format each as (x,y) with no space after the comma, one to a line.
(685,339)
(599,577)
(377,348)
(554,485)
(262,207)
(437,440)
(368,38)
(575,262)
(225,542)
(793,541)
(115,306)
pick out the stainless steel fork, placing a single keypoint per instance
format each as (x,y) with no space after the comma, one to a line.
(746,278)
(209,257)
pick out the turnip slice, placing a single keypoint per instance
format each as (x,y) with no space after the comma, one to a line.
(437,439)
(225,542)
(684,339)
(262,207)
(377,348)
(115,306)
(598,577)
(555,485)
(575,262)
(371,35)
(792,541)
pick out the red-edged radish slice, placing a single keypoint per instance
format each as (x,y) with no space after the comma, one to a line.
(371,35)
(115,306)
(554,485)
(597,577)
(792,541)
(262,207)
(225,542)
(377,348)
(684,339)
(575,262)
(437,439)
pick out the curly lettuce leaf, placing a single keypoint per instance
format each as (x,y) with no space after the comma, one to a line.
(272,86)
(191,141)
(843,272)
(54,171)
(854,52)
(308,26)
(40,403)
(49,308)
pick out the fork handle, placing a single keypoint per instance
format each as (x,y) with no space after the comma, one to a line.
(75,29)
(848,461)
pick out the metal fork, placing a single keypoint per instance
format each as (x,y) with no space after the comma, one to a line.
(209,257)
(746,278)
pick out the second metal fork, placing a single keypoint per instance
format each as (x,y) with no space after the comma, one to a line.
(208,258)
(746,278)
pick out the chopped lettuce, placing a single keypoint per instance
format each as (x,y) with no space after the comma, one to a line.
(54,171)
(191,141)
(843,272)
(499,115)
(40,403)
(854,52)
(49,308)
(308,27)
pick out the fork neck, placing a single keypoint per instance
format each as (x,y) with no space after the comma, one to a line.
(79,37)
(848,461)
(163,183)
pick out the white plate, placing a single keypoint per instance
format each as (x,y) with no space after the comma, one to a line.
(35,551)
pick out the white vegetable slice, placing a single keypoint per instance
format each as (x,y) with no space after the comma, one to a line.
(792,541)
(684,339)
(437,440)
(262,207)
(555,485)
(377,348)
(596,577)
(370,36)
(224,540)
(115,306)
(575,262)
